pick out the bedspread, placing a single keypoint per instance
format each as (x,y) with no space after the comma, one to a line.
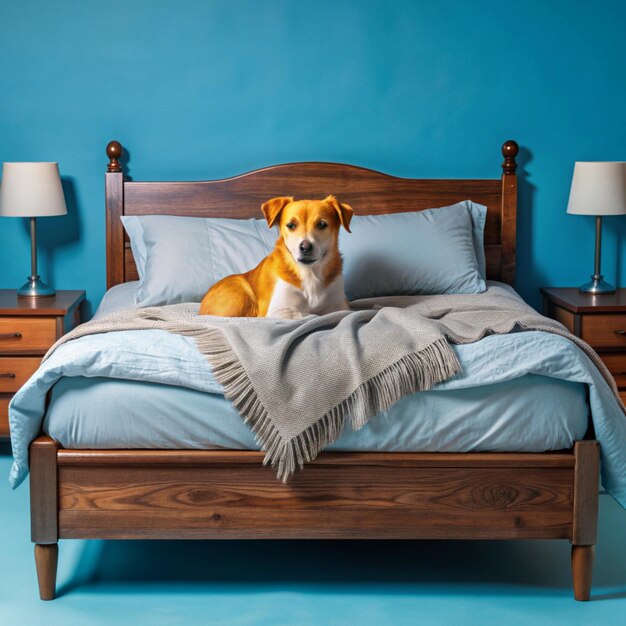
(161,357)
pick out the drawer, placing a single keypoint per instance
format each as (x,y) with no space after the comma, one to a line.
(605,330)
(22,334)
(15,371)
(4,416)
(616,362)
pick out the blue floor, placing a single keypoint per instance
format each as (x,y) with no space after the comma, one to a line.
(280,583)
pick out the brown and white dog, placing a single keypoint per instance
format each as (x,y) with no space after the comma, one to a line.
(302,275)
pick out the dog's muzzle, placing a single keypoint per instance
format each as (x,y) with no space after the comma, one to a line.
(306,250)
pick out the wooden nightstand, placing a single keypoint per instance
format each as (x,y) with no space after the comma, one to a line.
(28,327)
(599,320)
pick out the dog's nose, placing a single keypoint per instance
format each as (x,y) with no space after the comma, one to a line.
(306,247)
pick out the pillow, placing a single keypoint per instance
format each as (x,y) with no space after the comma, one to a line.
(419,252)
(179,258)
(117,298)
(434,251)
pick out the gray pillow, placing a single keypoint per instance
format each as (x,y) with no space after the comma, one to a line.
(479,218)
(179,258)
(435,251)
(419,252)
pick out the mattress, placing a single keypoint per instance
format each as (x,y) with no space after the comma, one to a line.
(522,391)
(528,414)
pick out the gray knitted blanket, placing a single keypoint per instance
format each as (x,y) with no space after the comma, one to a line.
(296,382)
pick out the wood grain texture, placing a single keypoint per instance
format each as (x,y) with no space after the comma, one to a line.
(114,199)
(26,335)
(59,304)
(604,330)
(110,458)
(15,371)
(43,490)
(46,558)
(586,487)
(571,299)
(509,214)
(616,362)
(567,318)
(325,501)
(582,571)
(4,415)
(367,191)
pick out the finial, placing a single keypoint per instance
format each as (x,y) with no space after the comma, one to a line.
(509,152)
(114,152)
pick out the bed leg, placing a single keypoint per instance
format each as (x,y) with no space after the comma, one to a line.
(44,514)
(46,557)
(582,570)
(585,515)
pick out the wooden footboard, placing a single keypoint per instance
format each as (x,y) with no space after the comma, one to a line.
(172,494)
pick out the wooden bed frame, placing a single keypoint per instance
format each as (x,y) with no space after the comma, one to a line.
(222,494)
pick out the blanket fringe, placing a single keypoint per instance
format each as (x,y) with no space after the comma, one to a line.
(417,371)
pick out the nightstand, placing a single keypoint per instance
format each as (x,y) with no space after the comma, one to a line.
(598,320)
(28,327)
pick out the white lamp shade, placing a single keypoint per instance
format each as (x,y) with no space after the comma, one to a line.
(598,188)
(31,190)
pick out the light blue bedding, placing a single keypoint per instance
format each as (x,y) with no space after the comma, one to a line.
(528,414)
(159,357)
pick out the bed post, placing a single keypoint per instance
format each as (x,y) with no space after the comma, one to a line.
(509,212)
(585,522)
(44,512)
(114,194)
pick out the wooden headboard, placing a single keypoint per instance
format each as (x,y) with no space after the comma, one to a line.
(367,191)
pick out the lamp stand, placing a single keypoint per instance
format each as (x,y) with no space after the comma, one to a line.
(597,284)
(34,287)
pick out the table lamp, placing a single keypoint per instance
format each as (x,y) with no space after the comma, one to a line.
(598,188)
(32,190)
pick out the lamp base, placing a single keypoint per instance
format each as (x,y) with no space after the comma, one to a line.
(597,285)
(34,287)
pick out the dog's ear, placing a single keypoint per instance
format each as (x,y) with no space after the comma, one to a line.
(343,210)
(272,208)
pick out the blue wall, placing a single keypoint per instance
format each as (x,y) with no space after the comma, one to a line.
(199,89)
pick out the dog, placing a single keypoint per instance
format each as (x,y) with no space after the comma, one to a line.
(301,276)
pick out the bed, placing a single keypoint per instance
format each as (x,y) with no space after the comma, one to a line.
(229,494)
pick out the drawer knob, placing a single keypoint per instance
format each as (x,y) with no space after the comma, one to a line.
(9,375)
(10,335)
(620,332)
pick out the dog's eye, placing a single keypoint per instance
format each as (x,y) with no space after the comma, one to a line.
(322,224)
(291,226)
